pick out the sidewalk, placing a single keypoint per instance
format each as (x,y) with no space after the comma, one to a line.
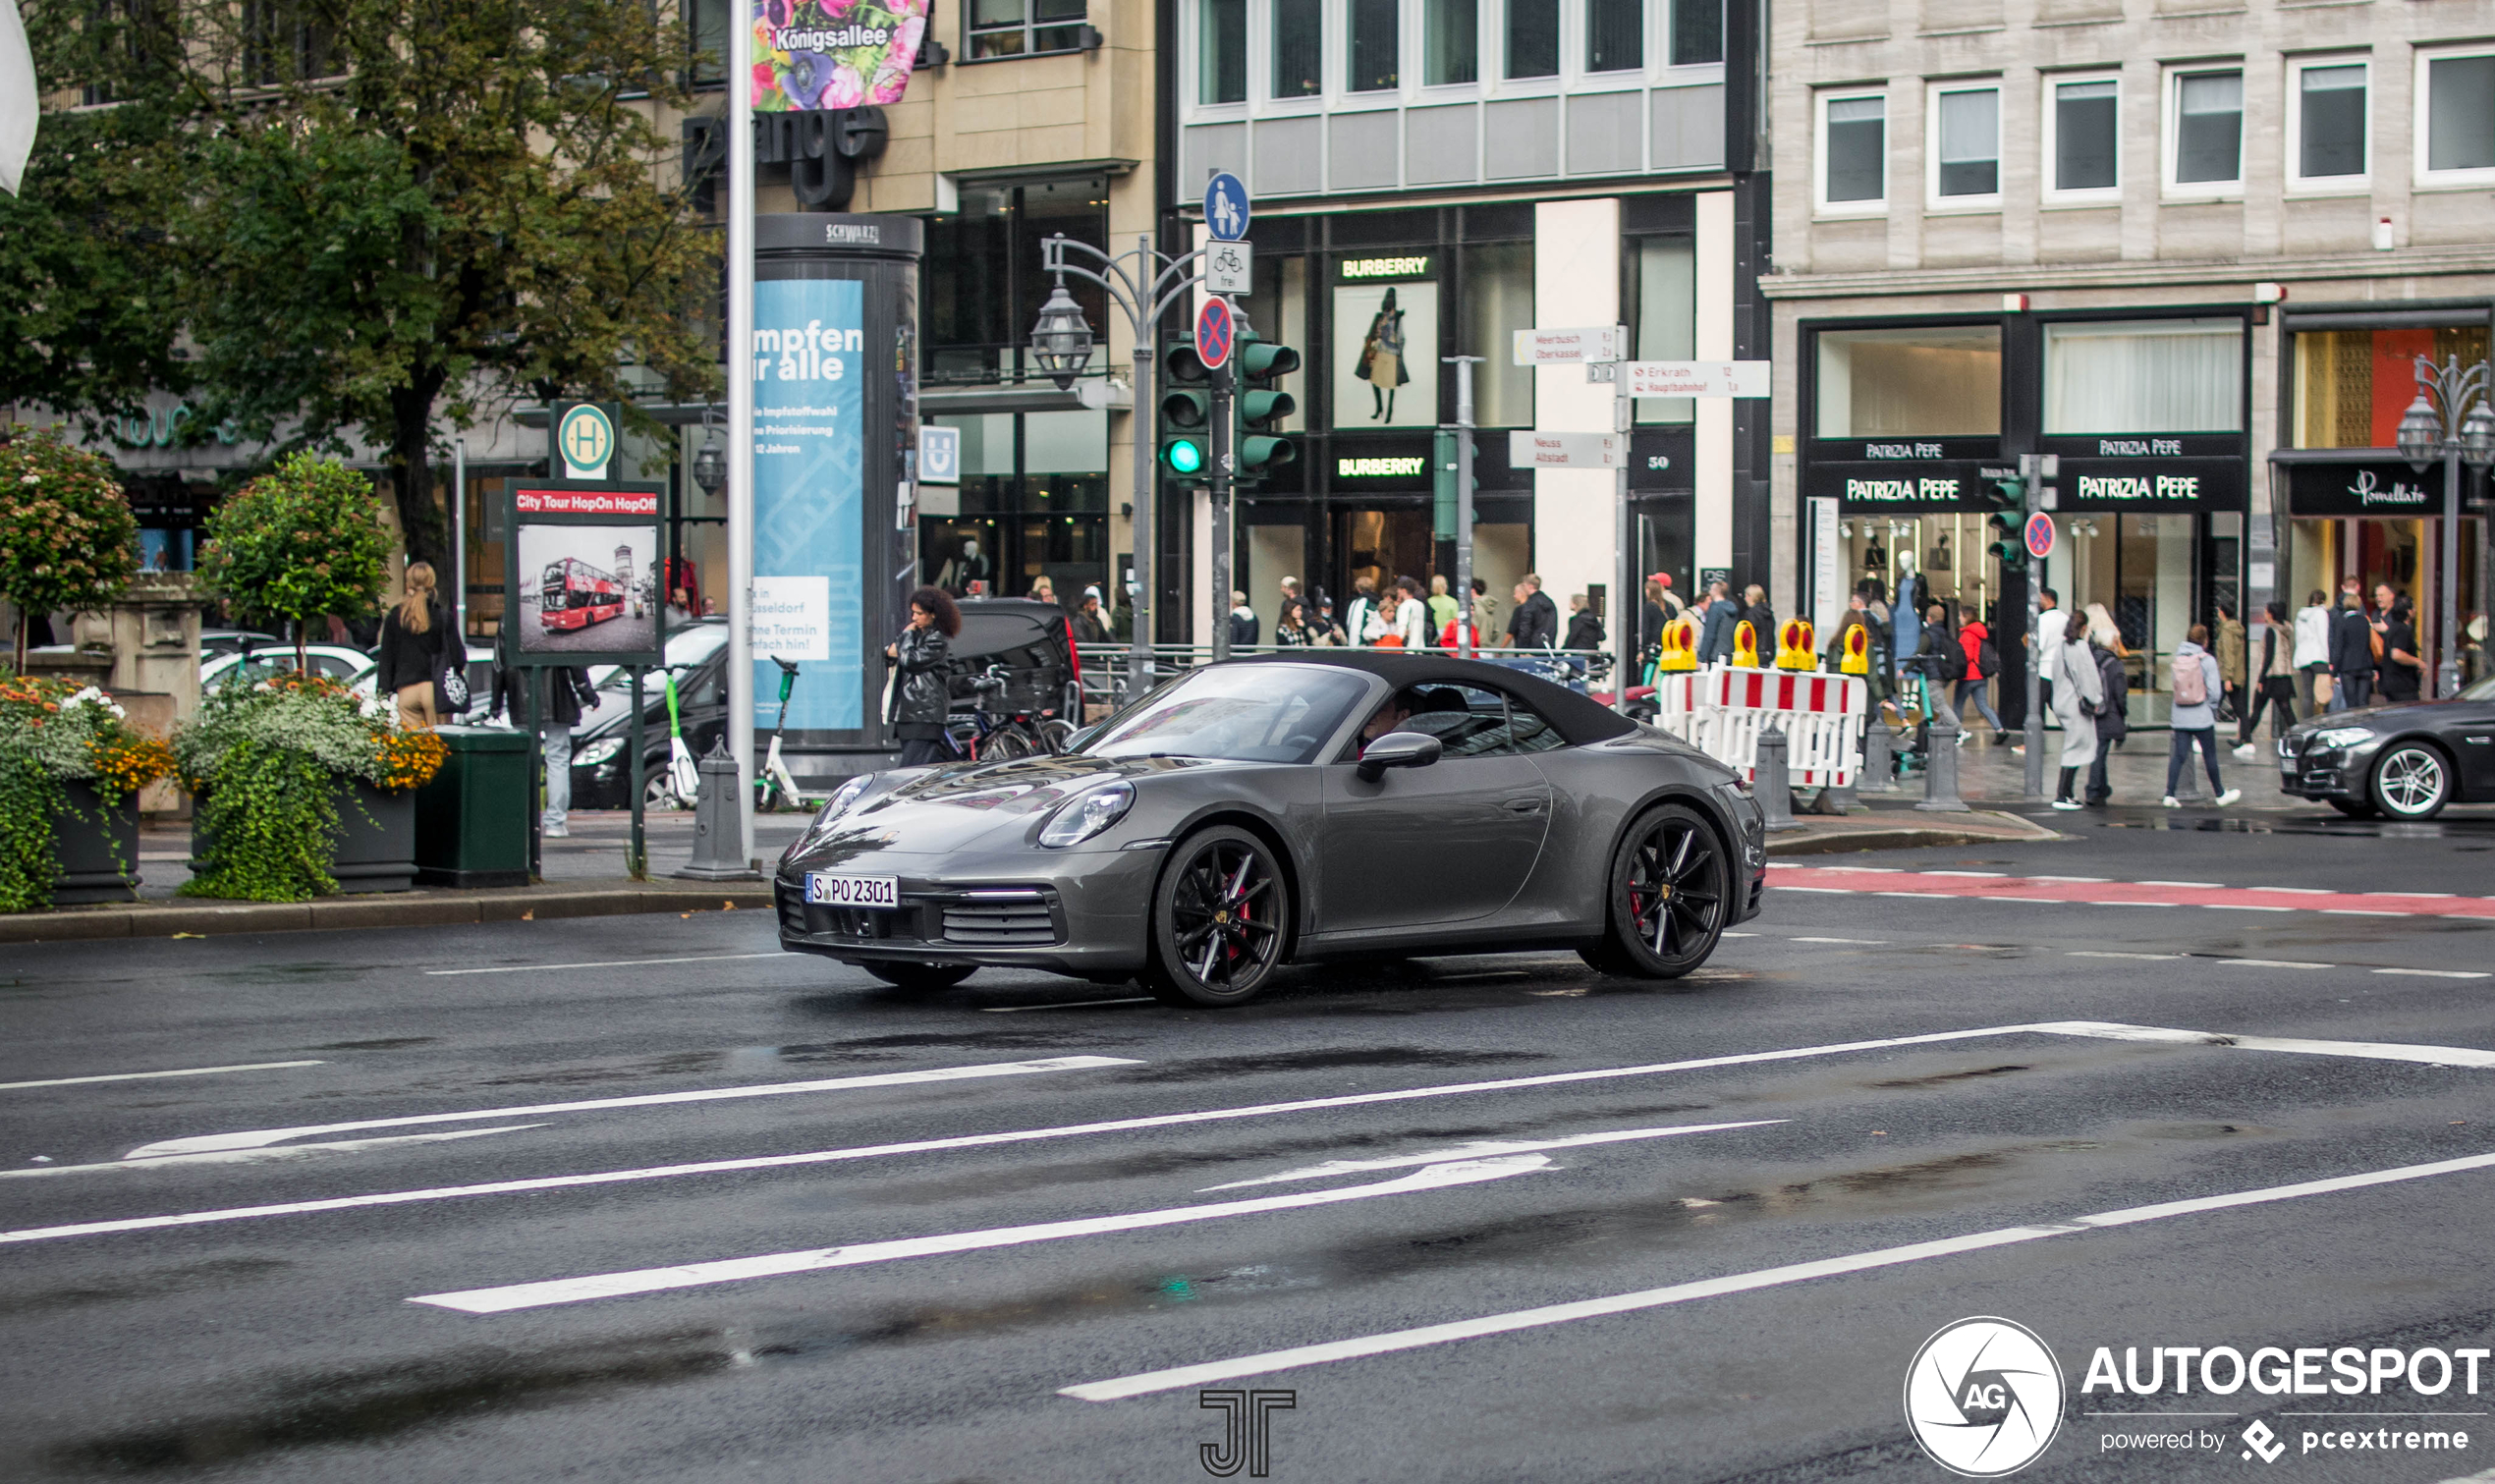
(1988,769)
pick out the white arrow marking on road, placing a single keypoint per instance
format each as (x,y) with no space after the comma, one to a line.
(530,1295)
(1738,1282)
(134,1076)
(255,1137)
(264,1156)
(1480,1149)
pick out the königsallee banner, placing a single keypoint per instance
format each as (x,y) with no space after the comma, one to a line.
(823,54)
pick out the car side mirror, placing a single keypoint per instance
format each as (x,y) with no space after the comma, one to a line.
(1397,749)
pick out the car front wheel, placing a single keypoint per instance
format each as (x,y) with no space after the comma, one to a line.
(1220,915)
(1669,885)
(2413,782)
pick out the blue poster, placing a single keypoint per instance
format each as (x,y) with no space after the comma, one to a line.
(809,447)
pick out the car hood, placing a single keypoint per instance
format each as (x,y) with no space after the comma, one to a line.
(2389,719)
(969,806)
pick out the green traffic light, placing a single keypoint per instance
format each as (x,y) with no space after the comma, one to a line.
(1184,456)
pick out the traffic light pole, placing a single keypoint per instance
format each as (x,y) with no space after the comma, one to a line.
(1223,436)
(2032,475)
(1466,641)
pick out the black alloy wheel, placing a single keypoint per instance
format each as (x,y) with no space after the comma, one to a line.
(1669,886)
(1220,916)
(2353,808)
(2412,781)
(920,976)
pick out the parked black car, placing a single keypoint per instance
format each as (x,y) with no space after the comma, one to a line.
(1034,642)
(602,768)
(2406,761)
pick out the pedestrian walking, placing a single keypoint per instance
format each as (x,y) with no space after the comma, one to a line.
(1761,619)
(1983,662)
(568,697)
(1715,623)
(2274,688)
(2079,689)
(416,640)
(1486,614)
(921,700)
(2400,671)
(2228,645)
(1291,629)
(1535,625)
(2194,688)
(2313,653)
(1361,623)
(1323,631)
(1091,627)
(1585,626)
(1043,590)
(2353,655)
(2112,706)
(1442,604)
(1244,624)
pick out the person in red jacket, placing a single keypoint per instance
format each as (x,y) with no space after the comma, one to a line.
(1976,641)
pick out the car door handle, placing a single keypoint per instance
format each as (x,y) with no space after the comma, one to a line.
(1523,806)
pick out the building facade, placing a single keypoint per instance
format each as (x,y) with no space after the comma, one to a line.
(1430,177)
(2191,249)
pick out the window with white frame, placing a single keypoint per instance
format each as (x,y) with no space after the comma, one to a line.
(1853,152)
(2204,130)
(1697,31)
(1374,45)
(2082,138)
(1024,28)
(1615,35)
(2456,117)
(1299,48)
(1965,144)
(2326,121)
(1449,42)
(1533,39)
(1221,51)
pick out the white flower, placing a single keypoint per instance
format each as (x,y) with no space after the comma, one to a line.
(374,708)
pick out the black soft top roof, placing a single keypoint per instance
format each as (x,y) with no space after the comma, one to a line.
(1579,718)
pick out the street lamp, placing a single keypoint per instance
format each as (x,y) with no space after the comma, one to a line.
(710,464)
(2432,428)
(1060,342)
(1143,285)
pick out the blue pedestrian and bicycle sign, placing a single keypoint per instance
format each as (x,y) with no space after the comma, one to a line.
(1213,333)
(1226,208)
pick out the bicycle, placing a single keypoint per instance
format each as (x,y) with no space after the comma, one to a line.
(994,733)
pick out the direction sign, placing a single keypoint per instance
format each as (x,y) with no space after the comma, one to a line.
(2039,535)
(1550,347)
(1226,208)
(1568,451)
(1213,333)
(1700,378)
(1228,267)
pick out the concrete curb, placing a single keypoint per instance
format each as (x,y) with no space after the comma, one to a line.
(432,909)
(1983,827)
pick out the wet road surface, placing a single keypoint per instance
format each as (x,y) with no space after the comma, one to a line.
(643,1199)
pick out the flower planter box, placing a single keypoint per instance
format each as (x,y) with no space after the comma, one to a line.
(99,849)
(376,840)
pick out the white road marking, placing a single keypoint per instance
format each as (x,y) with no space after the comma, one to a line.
(1178,1376)
(1729,933)
(2358,911)
(2091,880)
(2099,953)
(2214,884)
(1999,874)
(525,968)
(2442,1056)
(2439,973)
(136,1076)
(2272,964)
(1478,1149)
(2244,907)
(1872,942)
(253,1138)
(1007,1009)
(264,1156)
(2297,891)
(530,1295)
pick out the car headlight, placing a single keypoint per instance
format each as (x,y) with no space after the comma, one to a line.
(598,751)
(1083,817)
(2343,737)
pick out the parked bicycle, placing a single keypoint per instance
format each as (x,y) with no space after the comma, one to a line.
(994,732)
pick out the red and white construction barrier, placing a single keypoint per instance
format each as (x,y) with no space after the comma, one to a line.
(1721,711)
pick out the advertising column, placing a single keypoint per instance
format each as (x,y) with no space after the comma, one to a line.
(833,367)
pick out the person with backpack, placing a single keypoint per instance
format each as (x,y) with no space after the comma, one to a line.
(1983,663)
(2196,685)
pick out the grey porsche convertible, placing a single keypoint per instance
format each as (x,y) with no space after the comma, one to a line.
(1289,808)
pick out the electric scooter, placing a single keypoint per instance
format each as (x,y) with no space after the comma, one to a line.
(776,789)
(684,778)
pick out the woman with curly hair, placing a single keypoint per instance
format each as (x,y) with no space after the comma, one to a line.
(922,700)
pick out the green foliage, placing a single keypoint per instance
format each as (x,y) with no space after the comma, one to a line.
(31,800)
(296,544)
(267,824)
(52,732)
(67,536)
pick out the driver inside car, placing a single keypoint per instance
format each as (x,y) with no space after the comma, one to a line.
(1388,718)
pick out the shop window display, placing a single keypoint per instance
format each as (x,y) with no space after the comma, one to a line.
(2144,376)
(1927,381)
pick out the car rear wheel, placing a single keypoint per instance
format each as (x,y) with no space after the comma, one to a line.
(1220,915)
(2412,781)
(2353,808)
(1669,886)
(921,977)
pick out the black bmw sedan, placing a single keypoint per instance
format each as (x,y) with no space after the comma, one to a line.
(2406,761)
(1290,808)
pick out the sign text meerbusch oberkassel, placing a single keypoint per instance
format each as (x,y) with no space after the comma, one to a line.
(807,55)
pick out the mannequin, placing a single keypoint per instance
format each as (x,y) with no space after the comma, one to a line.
(1938,559)
(1875,558)
(964,569)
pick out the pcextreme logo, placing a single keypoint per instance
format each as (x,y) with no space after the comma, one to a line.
(1983,1397)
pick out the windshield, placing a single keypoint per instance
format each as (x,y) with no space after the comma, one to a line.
(2481,688)
(1248,713)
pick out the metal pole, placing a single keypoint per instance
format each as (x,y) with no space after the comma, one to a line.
(1466,641)
(457,583)
(739,369)
(636,855)
(2033,474)
(2446,675)
(1225,456)
(1623,632)
(1139,650)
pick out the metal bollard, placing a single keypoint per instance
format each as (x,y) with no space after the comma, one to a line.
(1940,768)
(1773,781)
(718,849)
(1879,763)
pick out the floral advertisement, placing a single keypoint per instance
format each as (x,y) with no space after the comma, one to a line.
(823,54)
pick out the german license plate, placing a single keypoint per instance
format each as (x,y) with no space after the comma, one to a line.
(835,889)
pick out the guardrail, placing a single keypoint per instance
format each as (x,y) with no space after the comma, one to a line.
(1107,666)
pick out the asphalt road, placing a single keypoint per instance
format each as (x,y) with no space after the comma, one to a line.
(280,1342)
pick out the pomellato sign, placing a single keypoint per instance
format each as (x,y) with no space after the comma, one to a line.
(2390,488)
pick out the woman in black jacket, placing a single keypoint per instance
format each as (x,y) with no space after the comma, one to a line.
(922,698)
(414,637)
(2114,713)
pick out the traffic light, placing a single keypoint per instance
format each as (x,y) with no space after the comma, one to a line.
(1187,415)
(1443,448)
(2005,496)
(1261,407)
